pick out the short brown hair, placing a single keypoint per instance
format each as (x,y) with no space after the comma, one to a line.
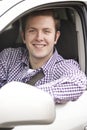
(47,12)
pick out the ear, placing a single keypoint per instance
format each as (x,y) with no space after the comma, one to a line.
(23,37)
(57,36)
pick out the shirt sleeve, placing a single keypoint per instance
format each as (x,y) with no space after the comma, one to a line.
(3,59)
(69,87)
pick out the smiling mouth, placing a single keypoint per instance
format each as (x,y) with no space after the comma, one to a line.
(39,45)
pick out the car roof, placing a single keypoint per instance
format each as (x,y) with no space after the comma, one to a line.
(11,9)
(7,4)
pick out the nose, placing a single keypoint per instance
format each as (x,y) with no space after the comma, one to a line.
(39,36)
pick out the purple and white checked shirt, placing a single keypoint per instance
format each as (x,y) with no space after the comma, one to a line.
(63,78)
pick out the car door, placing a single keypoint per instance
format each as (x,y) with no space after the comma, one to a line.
(73,16)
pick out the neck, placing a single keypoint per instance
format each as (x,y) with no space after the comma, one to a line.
(36,63)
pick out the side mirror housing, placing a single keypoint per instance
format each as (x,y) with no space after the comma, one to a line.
(22,104)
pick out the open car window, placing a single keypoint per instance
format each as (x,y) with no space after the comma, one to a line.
(70,42)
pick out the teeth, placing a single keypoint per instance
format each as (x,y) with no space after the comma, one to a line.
(39,45)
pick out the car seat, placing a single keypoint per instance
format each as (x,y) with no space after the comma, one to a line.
(9,36)
(67,43)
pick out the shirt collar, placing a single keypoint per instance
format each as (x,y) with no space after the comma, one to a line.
(55,58)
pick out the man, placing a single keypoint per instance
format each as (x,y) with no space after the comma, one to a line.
(62,79)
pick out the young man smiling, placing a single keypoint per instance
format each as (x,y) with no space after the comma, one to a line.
(62,78)
(40,36)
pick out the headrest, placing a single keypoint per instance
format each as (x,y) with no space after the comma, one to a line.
(67,43)
(9,36)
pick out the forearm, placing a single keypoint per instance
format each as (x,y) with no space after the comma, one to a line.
(67,88)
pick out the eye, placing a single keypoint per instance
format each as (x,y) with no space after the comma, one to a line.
(31,30)
(47,31)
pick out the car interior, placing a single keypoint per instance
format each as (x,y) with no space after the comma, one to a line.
(69,45)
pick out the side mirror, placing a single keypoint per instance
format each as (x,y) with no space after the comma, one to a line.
(22,104)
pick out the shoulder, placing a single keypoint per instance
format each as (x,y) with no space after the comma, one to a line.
(64,62)
(59,60)
(65,65)
(71,63)
(11,52)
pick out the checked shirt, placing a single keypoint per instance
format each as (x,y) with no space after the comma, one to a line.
(63,79)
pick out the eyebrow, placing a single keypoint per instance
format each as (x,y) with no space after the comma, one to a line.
(37,28)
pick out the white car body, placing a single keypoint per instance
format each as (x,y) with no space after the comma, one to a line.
(69,116)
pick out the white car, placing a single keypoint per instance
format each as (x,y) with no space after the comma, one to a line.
(19,110)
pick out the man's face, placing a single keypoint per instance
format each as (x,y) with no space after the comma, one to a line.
(40,36)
